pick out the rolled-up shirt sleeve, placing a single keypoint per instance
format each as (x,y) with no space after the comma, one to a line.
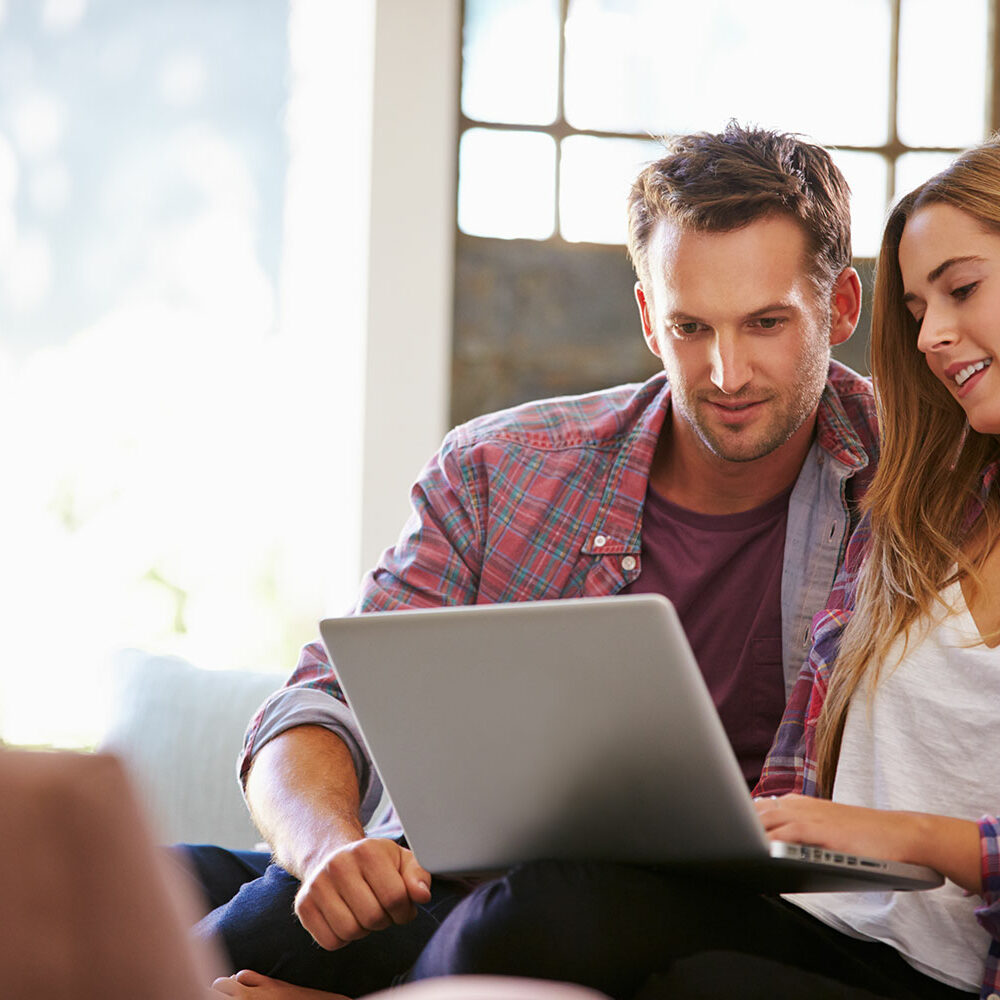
(989,840)
(302,706)
(313,697)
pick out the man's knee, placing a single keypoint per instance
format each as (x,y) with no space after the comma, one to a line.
(218,872)
(534,898)
(258,928)
(537,916)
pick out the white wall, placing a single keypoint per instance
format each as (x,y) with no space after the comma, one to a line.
(411,255)
(371,204)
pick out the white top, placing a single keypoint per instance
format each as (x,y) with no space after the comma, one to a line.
(919,744)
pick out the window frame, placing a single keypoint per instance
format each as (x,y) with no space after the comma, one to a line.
(890,151)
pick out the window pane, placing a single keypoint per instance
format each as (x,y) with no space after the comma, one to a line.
(867,174)
(942,72)
(761,62)
(506,184)
(511,61)
(595,178)
(913,169)
(143,167)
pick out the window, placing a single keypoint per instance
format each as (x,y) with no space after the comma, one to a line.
(153,423)
(559,99)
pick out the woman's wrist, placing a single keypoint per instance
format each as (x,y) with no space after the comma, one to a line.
(950,846)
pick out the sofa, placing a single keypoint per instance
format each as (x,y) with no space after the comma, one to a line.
(178,729)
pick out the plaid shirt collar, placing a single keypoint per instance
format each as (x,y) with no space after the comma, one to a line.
(620,518)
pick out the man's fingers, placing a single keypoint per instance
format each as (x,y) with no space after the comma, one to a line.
(367,910)
(390,889)
(313,919)
(416,877)
(364,888)
(339,906)
(383,867)
(394,879)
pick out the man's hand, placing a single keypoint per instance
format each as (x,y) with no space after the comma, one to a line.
(303,792)
(361,887)
(950,846)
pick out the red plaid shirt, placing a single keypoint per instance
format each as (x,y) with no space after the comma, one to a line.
(545,501)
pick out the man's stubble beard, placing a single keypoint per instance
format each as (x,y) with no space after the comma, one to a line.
(754,442)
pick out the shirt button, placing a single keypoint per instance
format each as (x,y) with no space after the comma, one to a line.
(600,541)
(628,563)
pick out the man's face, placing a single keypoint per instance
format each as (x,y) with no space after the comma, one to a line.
(742,333)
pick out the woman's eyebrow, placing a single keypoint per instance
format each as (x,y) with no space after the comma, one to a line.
(936,273)
(950,262)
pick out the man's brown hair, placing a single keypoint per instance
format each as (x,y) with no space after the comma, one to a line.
(720,183)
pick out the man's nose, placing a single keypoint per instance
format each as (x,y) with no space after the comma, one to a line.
(731,368)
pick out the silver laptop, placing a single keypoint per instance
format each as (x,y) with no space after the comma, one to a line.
(569,729)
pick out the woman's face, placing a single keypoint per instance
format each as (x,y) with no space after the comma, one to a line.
(950,267)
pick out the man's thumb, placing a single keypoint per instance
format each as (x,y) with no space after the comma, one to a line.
(417,879)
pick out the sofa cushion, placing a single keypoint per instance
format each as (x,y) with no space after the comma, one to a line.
(179,730)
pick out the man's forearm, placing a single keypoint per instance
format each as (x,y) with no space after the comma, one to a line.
(303,794)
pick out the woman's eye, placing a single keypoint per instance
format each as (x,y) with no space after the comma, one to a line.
(964,291)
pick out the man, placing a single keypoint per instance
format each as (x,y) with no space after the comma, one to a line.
(729,483)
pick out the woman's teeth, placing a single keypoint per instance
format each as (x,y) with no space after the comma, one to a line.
(966,373)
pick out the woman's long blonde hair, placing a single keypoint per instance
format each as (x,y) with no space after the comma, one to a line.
(929,468)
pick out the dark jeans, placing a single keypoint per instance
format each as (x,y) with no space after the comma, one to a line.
(249,911)
(635,932)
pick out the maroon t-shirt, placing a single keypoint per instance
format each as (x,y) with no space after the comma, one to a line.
(723,574)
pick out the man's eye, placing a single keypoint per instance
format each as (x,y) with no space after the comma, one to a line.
(768,322)
(687,329)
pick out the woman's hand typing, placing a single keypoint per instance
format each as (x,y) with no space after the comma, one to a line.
(950,846)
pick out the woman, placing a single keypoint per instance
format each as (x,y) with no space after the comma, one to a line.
(906,719)
(899,734)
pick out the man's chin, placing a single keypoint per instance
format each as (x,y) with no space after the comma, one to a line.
(741,446)
(739,457)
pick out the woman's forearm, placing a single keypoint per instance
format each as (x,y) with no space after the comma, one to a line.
(950,846)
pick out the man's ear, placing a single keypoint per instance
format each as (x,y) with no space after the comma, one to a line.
(845,306)
(646,319)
